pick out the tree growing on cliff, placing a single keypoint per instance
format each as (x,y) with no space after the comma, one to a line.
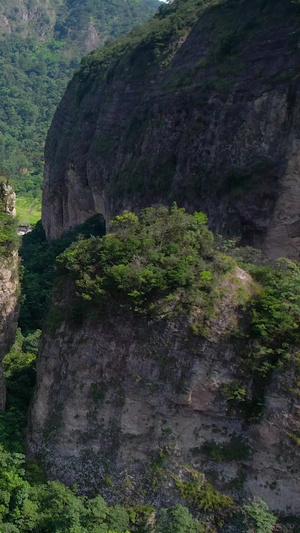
(160,262)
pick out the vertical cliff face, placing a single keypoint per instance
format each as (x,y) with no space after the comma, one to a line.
(154,361)
(9,280)
(206,115)
(27,18)
(123,405)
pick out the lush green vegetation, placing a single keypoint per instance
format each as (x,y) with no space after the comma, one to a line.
(156,41)
(32,78)
(163,261)
(273,334)
(38,262)
(9,240)
(160,263)
(28,209)
(8,235)
(234,450)
(35,71)
(30,503)
(198,492)
(19,371)
(36,62)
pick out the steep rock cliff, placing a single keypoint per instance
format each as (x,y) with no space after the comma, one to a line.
(201,106)
(129,400)
(119,398)
(9,281)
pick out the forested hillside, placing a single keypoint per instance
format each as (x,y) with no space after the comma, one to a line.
(41,43)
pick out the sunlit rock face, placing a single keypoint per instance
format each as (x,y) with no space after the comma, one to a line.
(124,404)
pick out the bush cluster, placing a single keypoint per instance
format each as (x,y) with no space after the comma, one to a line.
(162,261)
(9,240)
(274,334)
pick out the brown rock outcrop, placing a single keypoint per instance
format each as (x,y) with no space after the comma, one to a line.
(123,402)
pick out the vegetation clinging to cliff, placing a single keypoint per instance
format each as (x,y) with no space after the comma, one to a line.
(274,334)
(38,262)
(159,263)
(230,23)
(9,240)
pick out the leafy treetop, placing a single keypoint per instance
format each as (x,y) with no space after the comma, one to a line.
(165,257)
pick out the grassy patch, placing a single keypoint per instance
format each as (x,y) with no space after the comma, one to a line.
(28,209)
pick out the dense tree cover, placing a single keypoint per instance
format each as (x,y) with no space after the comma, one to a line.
(36,62)
(162,262)
(9,240)
(166,262)
(8,235)
(110,18)
(19,371)
(38,263)
(157,40)
(32,78)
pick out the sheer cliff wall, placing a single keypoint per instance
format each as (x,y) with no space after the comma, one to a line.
(201,110)
(125,405)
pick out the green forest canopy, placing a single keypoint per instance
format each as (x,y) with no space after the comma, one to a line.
(34,73)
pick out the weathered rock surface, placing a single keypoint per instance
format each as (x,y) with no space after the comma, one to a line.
(9,291)
(211,122)
(123,404)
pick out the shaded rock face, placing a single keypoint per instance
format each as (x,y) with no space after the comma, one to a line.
(123,404)
(218,134)
(9,291)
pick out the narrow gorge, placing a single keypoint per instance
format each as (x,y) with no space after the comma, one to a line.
(168,369)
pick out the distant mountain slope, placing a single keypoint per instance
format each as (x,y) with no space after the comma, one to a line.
(201,106)
(41,44)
